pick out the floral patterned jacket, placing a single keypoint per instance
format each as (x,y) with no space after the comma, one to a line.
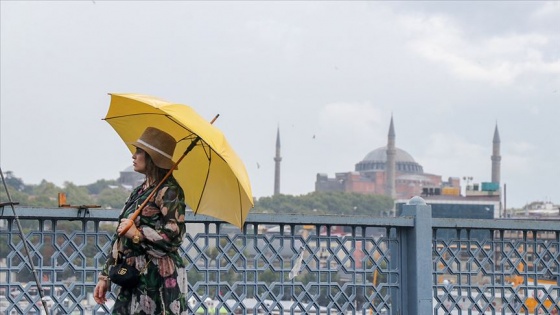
(162,223)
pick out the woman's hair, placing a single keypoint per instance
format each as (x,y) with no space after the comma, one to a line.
(153,172)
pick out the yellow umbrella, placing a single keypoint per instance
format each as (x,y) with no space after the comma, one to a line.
(212,176)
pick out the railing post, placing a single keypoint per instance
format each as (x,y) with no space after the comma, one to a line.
(417,259)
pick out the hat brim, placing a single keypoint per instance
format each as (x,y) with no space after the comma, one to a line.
(159,160)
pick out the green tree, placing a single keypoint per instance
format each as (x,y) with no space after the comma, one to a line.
(77,195)
(42,195)
(338,203)
(17,196)
(43,201)
(13,181)
(100,185)
(45,189)
(113,198)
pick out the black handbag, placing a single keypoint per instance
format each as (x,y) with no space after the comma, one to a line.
(120,272)
(123,274)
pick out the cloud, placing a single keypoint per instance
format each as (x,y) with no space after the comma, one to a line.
(448,154)
(344,132)
(520,148)
(519,159)
(356,118)
(549,9)
(497,59)
(329,74)
(278,36)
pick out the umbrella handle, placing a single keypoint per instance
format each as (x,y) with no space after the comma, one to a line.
(139,209)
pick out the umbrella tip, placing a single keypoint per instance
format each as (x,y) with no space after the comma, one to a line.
(216,117)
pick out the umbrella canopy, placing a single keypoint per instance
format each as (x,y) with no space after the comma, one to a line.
(212,176)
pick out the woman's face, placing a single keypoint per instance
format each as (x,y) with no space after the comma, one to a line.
(139,161)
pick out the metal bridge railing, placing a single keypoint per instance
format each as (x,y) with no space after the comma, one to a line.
(295,264)
(345,263)
(496,267)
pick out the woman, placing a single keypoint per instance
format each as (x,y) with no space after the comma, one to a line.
(152,242)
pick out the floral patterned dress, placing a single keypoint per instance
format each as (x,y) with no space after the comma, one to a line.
(163,280)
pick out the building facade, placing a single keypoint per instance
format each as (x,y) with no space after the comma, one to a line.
(391,171)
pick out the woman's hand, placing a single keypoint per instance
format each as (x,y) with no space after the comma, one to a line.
(131,231)
(100,291)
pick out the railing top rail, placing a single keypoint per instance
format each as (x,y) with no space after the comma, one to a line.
(292,219)
(96,214)
(497,224)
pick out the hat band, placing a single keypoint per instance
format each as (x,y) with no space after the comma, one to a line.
(154,148)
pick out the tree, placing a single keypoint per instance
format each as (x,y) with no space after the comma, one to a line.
(16,196)
(13,181)
(46,189)
(100,185)
(113,198)
(338,203)
(77,195)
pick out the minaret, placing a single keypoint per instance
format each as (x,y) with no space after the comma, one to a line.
(496,158)
(277,160)
(391,163)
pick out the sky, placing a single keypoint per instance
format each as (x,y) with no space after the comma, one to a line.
(328,74)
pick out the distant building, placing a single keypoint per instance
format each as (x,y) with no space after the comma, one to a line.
(393,172)
(129,178)
(390,171)
(538,210)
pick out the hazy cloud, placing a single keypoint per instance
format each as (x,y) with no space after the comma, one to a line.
(329,74)
(462,158)
(497,59)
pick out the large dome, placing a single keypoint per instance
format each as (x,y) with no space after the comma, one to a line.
(376,160)
(380,155)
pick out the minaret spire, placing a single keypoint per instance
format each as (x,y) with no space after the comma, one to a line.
(496,157)
(391,162)
(277,160)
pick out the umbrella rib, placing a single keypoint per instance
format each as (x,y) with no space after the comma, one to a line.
(239,190)
(208,150)
(192,134)
(209,156)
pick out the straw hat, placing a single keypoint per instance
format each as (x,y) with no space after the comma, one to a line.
(159,145)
